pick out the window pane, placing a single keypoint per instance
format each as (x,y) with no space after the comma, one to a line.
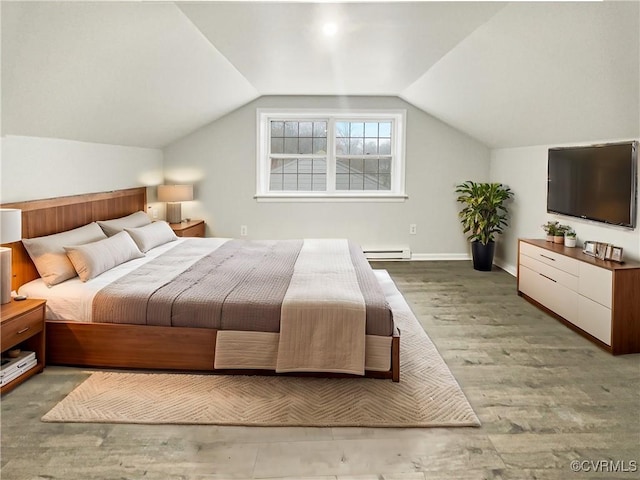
(355,146)
(320,129)
(342,181)
(319,146)
(275,181)
(385,181)
(290,166)
(342,146)
(276,165)
(342,166)
(319,183)
(371,146)
(304,181)
(385,165)
(305,146)
(319,165)
(357,165)
(291,145)
(371,165)
(357,129)
(356,181)
(371,130)
(371,182)
(385,129)
(342,129)
(304,165)
(290,182)
(277,145)
(306,129)
(290,129)
(385,146)
(277,129)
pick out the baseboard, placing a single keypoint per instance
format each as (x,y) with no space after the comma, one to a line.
(439,256)
(507,267)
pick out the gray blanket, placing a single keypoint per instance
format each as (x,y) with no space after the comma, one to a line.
(238,286)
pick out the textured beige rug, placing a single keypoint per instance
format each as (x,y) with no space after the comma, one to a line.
(427,395)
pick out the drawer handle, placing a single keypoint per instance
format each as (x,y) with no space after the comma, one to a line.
(548,258)
(23,330)
(548,278)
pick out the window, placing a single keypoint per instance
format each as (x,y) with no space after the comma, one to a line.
(330,155)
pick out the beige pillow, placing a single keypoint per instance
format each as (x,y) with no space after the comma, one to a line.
(111,227)
(153,235)
(92,259)
(48,252)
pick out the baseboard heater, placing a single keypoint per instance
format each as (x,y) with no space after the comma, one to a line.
(393,253)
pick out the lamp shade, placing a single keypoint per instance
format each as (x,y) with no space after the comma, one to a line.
(175,193)
(10,225)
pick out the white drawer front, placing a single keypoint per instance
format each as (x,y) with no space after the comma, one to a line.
(596,283)
(595,319)
(552,273)
(567,264)
(554,296)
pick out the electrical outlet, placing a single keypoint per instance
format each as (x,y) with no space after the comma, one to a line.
(413,229)
(243,231)
(154,213)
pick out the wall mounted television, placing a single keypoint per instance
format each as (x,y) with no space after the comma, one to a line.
(597,182)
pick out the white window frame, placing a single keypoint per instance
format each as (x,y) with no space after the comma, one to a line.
(263,164)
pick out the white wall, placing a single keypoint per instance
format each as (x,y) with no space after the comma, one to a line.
(525,171)
(34,168)
(220,159)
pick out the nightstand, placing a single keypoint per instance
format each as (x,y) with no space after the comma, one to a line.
(22,325)
(192,228)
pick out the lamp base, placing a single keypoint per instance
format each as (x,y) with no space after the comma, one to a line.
(5,275)
(174,212)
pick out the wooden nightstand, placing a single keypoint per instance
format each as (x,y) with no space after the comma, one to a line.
(22,325)
(192,228)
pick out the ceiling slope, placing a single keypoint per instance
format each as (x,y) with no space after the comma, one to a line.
(541,73)
(379,48)
(134,74)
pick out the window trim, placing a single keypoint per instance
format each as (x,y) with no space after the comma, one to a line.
(397,192)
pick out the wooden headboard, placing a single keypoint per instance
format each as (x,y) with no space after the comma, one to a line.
(55,215)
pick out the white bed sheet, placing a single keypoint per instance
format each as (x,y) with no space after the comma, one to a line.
(72,299)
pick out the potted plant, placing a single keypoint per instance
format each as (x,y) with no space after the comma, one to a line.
(559,235)
(550,229)
(483,216)
(570,237)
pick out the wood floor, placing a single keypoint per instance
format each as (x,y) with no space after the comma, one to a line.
(546,397)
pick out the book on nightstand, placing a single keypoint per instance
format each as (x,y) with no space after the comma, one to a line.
(12,368)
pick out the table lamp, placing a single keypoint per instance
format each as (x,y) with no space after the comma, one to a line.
(173,195)
(10,231)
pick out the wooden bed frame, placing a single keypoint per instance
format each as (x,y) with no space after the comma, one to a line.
(121,345)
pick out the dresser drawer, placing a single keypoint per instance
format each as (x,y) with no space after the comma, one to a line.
(554,296)
(554,274)
(595,319)
(596,283)
(20,328)
(553,259)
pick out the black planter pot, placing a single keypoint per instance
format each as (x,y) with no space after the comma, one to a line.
(483,255)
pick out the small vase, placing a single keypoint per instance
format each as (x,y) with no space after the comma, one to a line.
(569,241)
(558,239)
(549,238)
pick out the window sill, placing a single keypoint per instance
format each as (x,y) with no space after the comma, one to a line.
(308,197)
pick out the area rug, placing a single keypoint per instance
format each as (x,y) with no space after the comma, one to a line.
(426,396)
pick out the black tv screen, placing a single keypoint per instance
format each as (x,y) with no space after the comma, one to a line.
(594,182)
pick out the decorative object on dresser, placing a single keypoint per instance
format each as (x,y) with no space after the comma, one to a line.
(597,298)
(22,324)
(10,231)
(483,216)
(189,228)
(550,228)
(570,237)
(173,195)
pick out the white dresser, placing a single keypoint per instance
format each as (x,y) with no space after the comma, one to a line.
(597,298)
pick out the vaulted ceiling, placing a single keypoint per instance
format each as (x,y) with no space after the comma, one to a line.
(147,73)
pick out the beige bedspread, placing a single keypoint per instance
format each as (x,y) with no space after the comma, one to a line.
(322,328)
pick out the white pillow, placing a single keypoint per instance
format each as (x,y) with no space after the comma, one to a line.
(92,259)
(153,235)
(111,227)
(48,252)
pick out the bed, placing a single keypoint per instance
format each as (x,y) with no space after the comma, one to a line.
(115,337)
